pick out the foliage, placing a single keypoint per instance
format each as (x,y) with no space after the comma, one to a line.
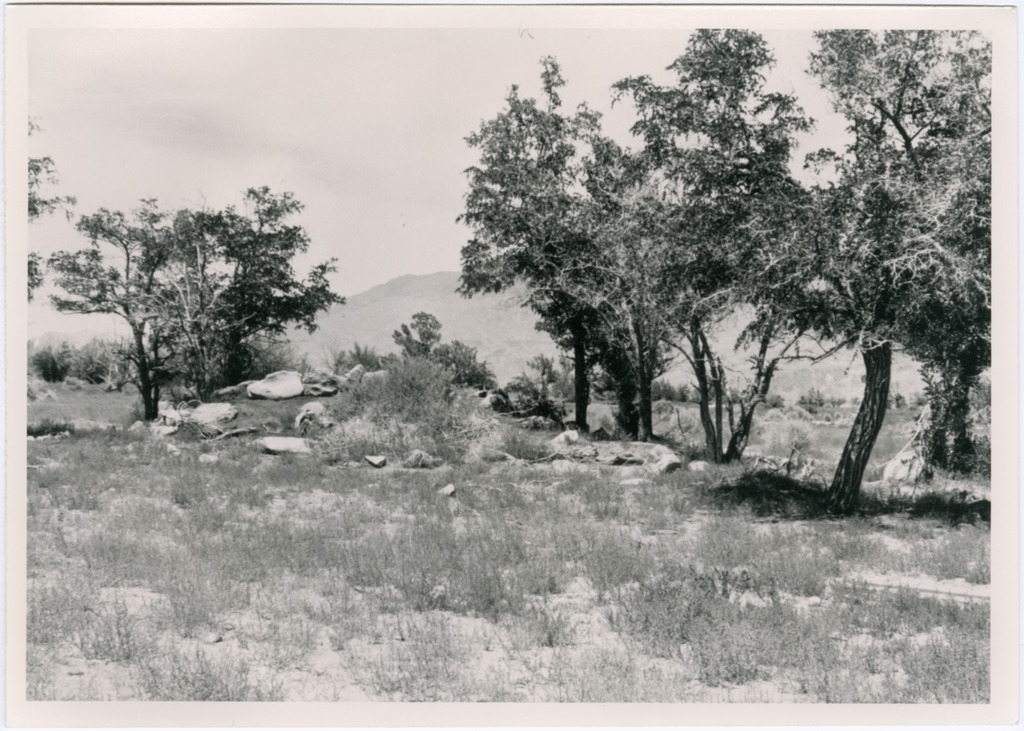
(721,142)
(527,215)
(52,363)
(364,355)
(904,236)
(418,339)
(203,293)
(461,360)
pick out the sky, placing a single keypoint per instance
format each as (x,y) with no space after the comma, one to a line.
(366,127)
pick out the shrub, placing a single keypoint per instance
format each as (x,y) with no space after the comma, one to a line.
(774,401)
(53,364)
(663,390)
(461,360)
(812,401)
(366,356)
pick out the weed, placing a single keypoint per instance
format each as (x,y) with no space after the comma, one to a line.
(194,677)
(113,635)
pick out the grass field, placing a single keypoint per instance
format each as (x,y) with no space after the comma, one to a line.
(207,571)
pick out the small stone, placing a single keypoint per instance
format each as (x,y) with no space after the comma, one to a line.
(447,491)
(634,482)
(212,638)
(137,426)
(697,466)
(566,438)
(281,445)
(209,458)
(377,460)
(173,449)
(162,430)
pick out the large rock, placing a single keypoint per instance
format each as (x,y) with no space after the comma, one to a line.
(566,438)
(906,466)
(312,414)
(355,375)
(212,415)
(283,445)
(665,464)
(276,386)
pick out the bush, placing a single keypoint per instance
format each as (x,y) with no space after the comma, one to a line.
(461,360)
(530,398)
(52,364)
(366,356)
(813,401)
(663,390)
(774,401)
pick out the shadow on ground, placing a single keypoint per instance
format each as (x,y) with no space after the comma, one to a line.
(769,494)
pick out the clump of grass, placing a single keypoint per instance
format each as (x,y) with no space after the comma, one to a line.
(427,664)
(195,677)
(50,427)
(521,444)
(114,635)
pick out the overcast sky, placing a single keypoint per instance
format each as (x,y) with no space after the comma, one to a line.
(365,127)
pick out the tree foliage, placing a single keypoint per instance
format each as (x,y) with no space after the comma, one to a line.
(527,214)
(903,236)
(42,173)
(201,291)
(721,143)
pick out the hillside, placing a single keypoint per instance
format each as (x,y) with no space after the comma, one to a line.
(505,336)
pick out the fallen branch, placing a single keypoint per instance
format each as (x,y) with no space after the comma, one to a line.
(236,433)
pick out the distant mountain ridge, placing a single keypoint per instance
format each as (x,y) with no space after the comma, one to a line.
(503,332)
(505,335)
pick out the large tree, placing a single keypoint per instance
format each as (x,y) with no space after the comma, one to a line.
(722,142)
(903,235)
(121,274)
(230,285)
(262,295)
(528,217)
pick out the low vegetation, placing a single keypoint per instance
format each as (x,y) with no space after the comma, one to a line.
(158,573)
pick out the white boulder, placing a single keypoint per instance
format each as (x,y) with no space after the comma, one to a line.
(284,445)
(276,386)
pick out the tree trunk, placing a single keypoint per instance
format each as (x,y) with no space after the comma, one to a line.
(645,425)
(581,387)
(846,483)
(711,442)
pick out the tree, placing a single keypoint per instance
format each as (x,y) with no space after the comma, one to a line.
(261,295)
(127,283)
(722,142)
(525,210)
(418,340)
(903,236)
(41,172)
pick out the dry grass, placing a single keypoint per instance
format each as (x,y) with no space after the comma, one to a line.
(153,575)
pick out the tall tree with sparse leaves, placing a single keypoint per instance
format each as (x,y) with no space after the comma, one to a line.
(527,215)
(722,142)
(903,235)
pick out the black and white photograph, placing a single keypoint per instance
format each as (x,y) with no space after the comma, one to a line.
(497,355)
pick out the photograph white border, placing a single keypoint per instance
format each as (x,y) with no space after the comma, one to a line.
(999,22)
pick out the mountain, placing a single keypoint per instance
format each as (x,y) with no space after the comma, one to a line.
(505,336)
